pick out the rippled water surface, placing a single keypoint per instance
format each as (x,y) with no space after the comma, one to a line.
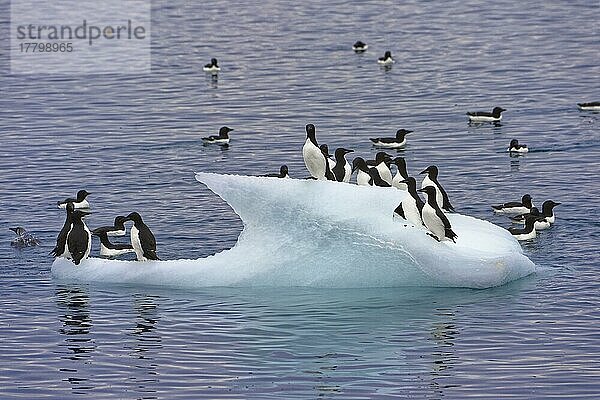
(134,142)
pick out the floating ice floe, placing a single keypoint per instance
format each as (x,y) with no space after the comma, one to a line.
(324,234)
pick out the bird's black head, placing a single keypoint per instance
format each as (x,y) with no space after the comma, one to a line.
(359,44)
(70,208)
(135,217)
(400,133)
(340,152)
(513,143)
(534,211)
(410,182)
(82,194)
(325,150)
(400,163)
(283,170)
(498,110)
(549,205)
(388,54)
(18,230)
(311,133)
(224,131)
(526,200)
(382,156)
(432,171)
(213,62)
(429,191)
(359,163)
(119,220)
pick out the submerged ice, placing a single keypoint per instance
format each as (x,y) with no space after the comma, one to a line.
(325,234)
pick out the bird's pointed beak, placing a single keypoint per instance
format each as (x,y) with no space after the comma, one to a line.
(404,181)
(424,171)
(557,204)
(421,190)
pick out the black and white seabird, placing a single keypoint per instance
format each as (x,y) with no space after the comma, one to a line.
(359,47)
(283,173)
(547,213)
(213,66)
(108,249)
(79,239)
(328,162)
(401,174)
(526,233)
(431,179)
(118,229)
(434,218)
(222,138)
(411,207)
(591,106)
(392,143)
(377,179)
(515,147)
(382,162)
(315,161)
(342,170)
(386,59)
(515,207)
(79,202)
(363,177)
(60,250)
(142,239)
(485,116)
(23,238)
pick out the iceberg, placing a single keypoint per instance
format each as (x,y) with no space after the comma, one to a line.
(324,234)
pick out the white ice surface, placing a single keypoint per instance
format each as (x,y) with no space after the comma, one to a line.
(324,234)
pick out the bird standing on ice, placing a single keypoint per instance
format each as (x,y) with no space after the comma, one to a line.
(79,239)
(61,250)
(382,162)
(108,249)
(434,218)
(515,147)
(142,239)
(117,229)
(485,116)
(342,170)
(392,143)
(363,177)
(221,139)
(411,208)
(313,156)
(401,174)
(431,179)
(79,202)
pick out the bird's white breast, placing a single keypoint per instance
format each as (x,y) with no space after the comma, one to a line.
(314,160)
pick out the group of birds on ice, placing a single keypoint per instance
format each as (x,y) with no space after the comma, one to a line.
(74,241)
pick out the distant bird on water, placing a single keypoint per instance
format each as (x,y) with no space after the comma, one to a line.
(23,238)
(359,47)
(79,202)
(515,207)
(392,143)
(283,173)
(485,116)
(213,66)
(221,139)
(591,106)
(387,59)
(526,233)
(515,147)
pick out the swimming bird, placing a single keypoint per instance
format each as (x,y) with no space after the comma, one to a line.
(79,202)
(142,238)
(431,179)
(79,239)
(547,212)
(386,59)
(23,238)
(382,162)
(363,177)
(411,207)
(222,138)
(359,47)
(60,250)
(401,174)
(315,161)
(283,173)
(117,229)
(342,170)
(516,147)
(434,218)
(108,249)
(515,207)
(392,143)
(213,66)
(526,233)
(484,116)
(591,106)
(328,162)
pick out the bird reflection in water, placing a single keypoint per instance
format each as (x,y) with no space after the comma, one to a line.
(443,336)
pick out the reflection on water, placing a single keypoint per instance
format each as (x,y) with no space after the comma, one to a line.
(73,303)
(443,336)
